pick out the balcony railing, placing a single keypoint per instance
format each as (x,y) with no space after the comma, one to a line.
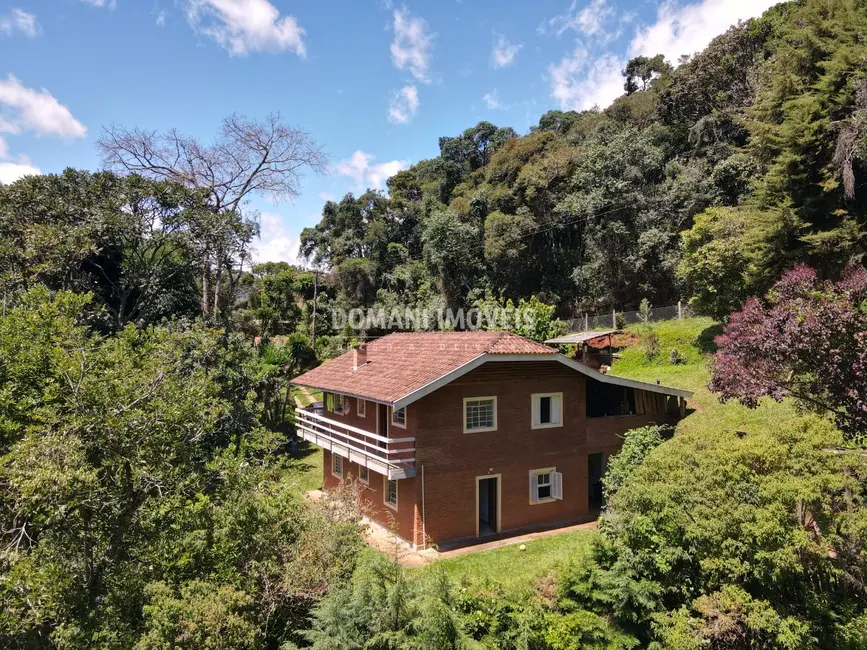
(391,457)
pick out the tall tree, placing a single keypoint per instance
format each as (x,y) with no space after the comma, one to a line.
(247,157)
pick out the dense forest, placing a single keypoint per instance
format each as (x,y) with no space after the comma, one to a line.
(151,490)
(702,181)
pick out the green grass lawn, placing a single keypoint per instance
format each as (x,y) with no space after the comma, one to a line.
(517,572)
(308,467)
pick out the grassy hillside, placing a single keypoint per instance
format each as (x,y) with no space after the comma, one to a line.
(693,338)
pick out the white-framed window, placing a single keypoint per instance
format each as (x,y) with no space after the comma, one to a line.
(480,414)
(398,417)
(546,485)
(547,410)
(336,403)
(361,407)
(336,465)
(389,495)
(363,474)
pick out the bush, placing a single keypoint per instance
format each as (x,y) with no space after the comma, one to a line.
(650,344)
(676,358)
(738,542)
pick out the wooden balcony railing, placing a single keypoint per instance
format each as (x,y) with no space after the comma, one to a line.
(391,457)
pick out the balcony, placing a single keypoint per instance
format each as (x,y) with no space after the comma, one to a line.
(391,457)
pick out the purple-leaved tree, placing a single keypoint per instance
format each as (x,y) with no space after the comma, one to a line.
(807,340)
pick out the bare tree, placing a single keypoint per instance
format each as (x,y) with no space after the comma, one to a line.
(247,157)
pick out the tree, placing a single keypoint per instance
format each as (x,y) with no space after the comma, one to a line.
(728,255)
(127,240)
(643,68)
(247,157)
(806,340)
(137,474)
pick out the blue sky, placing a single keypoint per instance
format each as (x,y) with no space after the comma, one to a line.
(375,81)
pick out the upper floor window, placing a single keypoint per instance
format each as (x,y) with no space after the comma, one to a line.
(398,417)
(547,410)
(336,403)
(361,408)
(480,414)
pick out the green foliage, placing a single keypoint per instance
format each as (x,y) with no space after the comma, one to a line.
(730,530)
(203,615)
(728,255)
(531,318)
(136,474)
(637,443)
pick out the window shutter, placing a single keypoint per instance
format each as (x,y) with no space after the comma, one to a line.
(329,401)
(557,485)
(535,410)
(556,413)
(534,488)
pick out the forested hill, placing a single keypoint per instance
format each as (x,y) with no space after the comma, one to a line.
(702,181)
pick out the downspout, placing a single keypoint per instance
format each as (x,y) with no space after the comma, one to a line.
(423,532)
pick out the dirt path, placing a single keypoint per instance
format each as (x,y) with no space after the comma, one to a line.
(308,396)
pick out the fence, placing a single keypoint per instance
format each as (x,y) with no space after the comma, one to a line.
(616,319)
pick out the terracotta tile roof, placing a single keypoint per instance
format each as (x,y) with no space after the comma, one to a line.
(403,362)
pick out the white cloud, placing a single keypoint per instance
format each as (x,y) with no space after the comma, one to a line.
(108,4)
(359,168)
(4,149)
(276,241)
(589,21)
(244,26)
(492,100)
(19,21)
(412,44)
(581,82)
(26,109)
(687,29)
(404,105)
(11,172)
(504,52)
(578,82)
(327,196)
(161,16)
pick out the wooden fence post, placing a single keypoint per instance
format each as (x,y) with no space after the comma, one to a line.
(586,322)
(614,319)
(679,311)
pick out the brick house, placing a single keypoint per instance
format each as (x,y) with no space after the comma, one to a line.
(459,435)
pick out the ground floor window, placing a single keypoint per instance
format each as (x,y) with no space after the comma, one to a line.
(390,495)
(363,476)
(337,465)
(545,485)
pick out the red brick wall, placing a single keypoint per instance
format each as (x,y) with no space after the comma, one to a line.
(403,520)
(453,460)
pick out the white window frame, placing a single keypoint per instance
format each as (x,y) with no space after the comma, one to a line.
(405,415)
(334,458)
(479,399)
(361,407)
(556,485)
(536,411)
(362,479)
(385,482)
